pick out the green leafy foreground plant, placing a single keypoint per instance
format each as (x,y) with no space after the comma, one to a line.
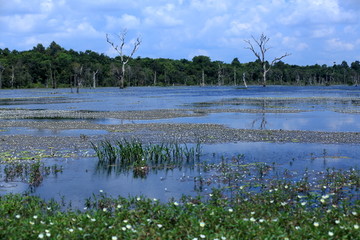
(258,216)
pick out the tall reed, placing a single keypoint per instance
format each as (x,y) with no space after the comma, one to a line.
(123,155)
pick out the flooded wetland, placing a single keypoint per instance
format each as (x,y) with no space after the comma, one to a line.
(180,140)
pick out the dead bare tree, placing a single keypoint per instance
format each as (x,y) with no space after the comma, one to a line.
(2,69)
(78,75)
(261,43)
(119,49)
(94,77)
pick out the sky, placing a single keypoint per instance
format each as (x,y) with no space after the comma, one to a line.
(312,31)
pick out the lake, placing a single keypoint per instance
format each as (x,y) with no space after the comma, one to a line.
(333,109)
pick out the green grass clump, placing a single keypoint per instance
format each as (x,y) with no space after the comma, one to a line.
(123,155)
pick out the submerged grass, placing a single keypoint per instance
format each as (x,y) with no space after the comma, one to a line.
(123,155)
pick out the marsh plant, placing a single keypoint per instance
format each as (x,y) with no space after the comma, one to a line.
(273,214)
(122,156)
(31,172)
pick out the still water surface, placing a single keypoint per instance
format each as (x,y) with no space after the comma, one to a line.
(80,179)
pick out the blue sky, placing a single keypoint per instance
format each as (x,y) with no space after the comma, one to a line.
(313,31)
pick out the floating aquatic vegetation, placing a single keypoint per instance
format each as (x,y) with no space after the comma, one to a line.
(31,172)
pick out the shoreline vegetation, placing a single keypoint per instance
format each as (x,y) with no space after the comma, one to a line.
(54,66)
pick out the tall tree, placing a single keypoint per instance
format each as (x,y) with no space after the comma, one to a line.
(261,43)
(120,50)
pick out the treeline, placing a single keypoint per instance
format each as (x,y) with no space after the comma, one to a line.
(56,67)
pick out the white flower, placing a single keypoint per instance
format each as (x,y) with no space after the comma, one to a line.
(93,220)
(354,213)
(114,238)
(316,224)
(160,226)
(202,224)
(41,235)
(202,236)
(337,221)
(32,223)
(71,230)
(154,199)
(325,196)
(18,216)
(80,229)
(104,209)
(118,206)
(223,238)
(138,199)
(297,228)
(331,234)
(176,203)
(128,226)
(35,217)
(231,210)
(123,228)
(303,203)
(356,226)
(48,234)
(101,190)
(283,203)
(261,220)
(252,219)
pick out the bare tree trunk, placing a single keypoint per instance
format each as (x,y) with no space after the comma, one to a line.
(265,71)
(155,78)
(119,49)
(202,78)
(235,80)
(219,74)
(261,43)
(122,76)
(244,79)
(53,80)
(2,69)
(94,77)
(12,81)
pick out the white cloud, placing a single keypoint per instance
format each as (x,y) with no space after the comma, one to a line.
(315,11)
(46,6)
(180,28)
(21,23)
(162,16)
(294,43)
(214,23)
(336,44)
(206,5)
(323,31)
(125,21)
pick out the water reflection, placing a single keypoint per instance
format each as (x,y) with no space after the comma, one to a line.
(80,178)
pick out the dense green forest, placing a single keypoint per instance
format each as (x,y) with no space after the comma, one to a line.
(55,67)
